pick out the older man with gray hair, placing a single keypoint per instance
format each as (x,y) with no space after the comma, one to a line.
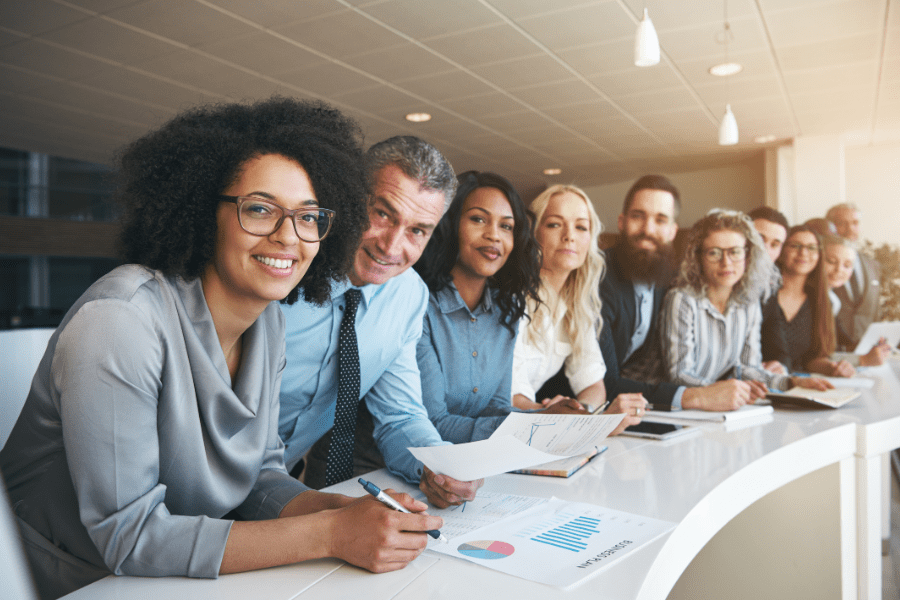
(362,344)
(859,297)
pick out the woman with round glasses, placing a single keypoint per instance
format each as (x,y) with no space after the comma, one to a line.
(801,310)
(711,317)
(148,444)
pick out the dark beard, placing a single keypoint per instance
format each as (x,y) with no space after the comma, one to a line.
(643,265)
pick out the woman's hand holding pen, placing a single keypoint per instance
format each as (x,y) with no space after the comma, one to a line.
(368,534)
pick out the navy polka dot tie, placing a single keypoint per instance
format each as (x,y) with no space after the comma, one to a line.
(340,452)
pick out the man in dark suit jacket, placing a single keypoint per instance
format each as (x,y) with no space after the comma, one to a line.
(860,296)
(638,276)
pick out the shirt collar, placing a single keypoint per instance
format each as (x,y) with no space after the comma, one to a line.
(449,300)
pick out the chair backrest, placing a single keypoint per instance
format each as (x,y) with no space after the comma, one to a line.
(20,352)
(14,574)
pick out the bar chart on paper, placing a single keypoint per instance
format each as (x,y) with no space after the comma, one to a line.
(571,534)
(558,543)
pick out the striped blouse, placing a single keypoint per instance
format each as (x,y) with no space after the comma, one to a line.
(701,345)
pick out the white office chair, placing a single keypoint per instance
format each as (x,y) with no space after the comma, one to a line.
(14,574)
(20,353)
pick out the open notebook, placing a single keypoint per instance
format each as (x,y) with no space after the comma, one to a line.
(798,396)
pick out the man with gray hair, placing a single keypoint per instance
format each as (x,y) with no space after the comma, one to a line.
(362,343)
(860,295)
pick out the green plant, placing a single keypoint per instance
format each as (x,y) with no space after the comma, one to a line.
(888,256)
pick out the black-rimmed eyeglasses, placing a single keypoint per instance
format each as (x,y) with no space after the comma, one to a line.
(263,217)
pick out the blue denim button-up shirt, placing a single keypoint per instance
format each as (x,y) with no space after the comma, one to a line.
(465,358)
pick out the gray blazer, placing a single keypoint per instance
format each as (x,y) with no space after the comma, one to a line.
(855,316)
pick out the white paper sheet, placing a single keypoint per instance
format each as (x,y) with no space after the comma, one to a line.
(541,439)
(851,382)
(563,435)
(485,509)
(558,543)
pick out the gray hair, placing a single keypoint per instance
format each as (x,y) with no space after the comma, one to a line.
(842,206)
(418,160)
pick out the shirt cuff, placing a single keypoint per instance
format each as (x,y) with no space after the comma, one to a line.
(676,399)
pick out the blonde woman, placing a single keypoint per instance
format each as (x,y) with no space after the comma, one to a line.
(563,326)
(711,317)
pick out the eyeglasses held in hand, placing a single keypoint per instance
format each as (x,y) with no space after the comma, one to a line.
(734,254)
(264,217)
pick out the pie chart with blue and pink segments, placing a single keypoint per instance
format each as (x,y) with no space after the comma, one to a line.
(486,549)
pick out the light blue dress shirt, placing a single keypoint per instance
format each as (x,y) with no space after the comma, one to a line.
(643,302)
(388,327)
(466,362)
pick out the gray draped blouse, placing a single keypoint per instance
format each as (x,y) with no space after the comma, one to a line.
(133,444)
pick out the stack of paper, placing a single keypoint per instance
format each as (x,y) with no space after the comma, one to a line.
(523,440)
(747,411)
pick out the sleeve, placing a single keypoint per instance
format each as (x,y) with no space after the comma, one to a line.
(395,402)
(751,355)
(523,364)
(774,345)
(109,424)
(454,428)
(660,394)
(274,488)
(679,321)
(588,368)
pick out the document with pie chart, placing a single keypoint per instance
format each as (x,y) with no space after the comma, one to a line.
(558,543)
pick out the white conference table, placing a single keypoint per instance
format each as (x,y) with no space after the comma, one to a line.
(789,507)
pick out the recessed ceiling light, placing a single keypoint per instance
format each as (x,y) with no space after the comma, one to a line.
(725,69)
(552,171)
(418,117)
(764,139)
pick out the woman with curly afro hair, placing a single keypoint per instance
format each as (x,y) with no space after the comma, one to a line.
(148,443)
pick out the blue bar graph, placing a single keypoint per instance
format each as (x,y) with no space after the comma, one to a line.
(570,535)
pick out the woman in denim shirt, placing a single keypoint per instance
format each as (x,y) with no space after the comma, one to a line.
(481,265)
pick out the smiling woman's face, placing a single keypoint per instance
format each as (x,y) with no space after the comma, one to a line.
(255,270)
(486,228)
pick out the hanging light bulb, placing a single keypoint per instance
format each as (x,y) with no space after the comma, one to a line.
(646,43)
(728,129)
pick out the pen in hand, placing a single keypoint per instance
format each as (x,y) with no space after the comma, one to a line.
(391,503)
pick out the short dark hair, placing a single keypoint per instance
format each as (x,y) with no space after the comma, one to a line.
(517,280)
(172,177)
(767,213)
(418,160)
(652,182)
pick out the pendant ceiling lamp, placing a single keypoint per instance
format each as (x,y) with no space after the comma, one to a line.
(728,129)
(646,43)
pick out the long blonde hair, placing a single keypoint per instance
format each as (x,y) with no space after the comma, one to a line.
(581,290)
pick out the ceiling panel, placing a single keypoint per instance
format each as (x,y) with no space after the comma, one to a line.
(420,20)
(190,23)
(110,41)
(513,85)
(279,12)
(340,35)
(485,45)
(263,53)
(37,16)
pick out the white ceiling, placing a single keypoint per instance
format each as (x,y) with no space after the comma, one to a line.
(515,86)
